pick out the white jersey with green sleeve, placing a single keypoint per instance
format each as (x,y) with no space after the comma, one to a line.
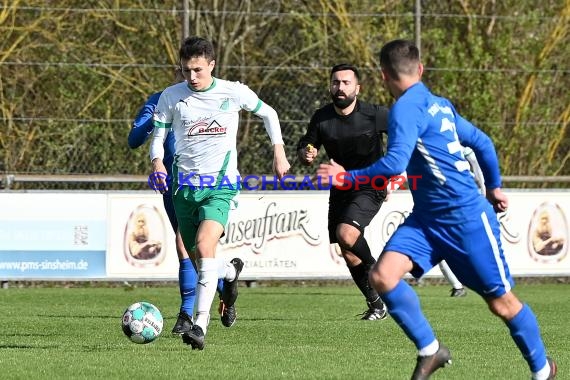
(205,125)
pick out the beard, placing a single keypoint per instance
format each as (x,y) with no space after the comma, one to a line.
(342,103)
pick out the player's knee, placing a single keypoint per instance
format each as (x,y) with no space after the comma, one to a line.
(505,307)
(389,270)
(345,242)
(374,277)
(500,310)
(380,278)
(346,235)
(205,248)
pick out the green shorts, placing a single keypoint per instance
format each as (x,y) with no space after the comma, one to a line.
(192,206)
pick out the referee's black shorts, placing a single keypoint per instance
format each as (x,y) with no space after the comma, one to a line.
(356,208)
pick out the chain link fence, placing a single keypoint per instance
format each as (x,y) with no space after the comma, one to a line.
(73,77)
(109,153)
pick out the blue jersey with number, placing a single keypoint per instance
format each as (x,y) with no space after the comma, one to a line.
(425,138)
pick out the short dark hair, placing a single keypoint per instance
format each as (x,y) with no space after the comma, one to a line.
(197,47)
(345,66)
(399,57)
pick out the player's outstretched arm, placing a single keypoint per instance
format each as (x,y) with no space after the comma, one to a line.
(403,131)
(160,183)
(271,122)
(157,155)
(331,173)
(280,163)
(394,184)
(142,125)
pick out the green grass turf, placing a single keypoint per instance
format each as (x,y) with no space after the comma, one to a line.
(282,332)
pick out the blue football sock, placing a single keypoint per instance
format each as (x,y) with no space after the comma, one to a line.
(187,280)
(526,334)
(404,306)
(220,286)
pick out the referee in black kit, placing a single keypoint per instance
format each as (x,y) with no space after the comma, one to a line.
(351,132)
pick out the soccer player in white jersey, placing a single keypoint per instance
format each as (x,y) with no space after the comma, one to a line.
(203,113)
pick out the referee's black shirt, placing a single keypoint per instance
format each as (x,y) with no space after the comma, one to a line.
(353,141)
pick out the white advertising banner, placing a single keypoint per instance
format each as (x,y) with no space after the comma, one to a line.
(279,235)
(52,236)
(534,231)
(285,235)
(282,235)
(141,243)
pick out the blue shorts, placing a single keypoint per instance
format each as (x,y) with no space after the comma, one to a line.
(472,249)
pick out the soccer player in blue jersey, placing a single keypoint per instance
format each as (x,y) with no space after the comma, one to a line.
(450,220)
(142,128)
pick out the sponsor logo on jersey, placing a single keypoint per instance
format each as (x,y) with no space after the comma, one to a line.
(202,128)
(225,104)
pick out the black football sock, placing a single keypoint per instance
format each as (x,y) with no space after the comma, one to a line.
(362,250)
(359,274)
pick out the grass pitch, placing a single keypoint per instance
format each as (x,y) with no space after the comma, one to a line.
(289,332)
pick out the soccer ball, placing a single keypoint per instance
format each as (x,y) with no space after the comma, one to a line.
(142,322)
